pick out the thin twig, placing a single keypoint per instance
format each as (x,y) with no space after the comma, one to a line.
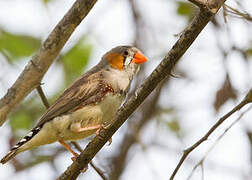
(202,171)
(234,11)
(98,170)
(187,151)
(218,140)
(43,97)
(77,146)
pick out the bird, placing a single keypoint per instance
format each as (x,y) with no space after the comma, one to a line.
(88,104)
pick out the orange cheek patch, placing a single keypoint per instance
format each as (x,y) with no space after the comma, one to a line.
(115,60)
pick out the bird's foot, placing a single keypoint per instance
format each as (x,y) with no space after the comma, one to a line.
(73,158)
(77,128)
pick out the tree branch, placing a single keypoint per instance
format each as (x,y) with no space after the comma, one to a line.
(246,100)
(98,170)
(200,163)
(238,13)
(118,161)
(43,97)
(163,70)
(200,3)
(34,71)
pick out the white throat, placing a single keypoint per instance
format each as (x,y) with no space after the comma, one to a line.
(120,80)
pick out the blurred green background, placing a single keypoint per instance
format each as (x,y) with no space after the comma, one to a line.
(211,78)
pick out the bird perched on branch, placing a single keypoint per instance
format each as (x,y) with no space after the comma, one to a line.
(90,102)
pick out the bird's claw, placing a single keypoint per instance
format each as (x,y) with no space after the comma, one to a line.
(73,158)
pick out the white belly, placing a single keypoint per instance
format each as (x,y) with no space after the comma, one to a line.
(60,127)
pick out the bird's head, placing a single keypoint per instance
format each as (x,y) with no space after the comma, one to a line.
(125,58)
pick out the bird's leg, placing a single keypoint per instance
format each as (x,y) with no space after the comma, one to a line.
(74,153)
(98,127)
(77,127)
(69,149)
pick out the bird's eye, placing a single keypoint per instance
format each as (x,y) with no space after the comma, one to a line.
(126,53)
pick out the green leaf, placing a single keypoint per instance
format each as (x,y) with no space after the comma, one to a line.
(249,52)
(76,59)
(27,113)
(186,9)
(47,1)
(20,120)
(174,125)
(15,46)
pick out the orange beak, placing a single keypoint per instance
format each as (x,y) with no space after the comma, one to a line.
(139,58)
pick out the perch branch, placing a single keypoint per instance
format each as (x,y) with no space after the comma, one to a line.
(118,161)
(163,70)
(34,71)
(200,3)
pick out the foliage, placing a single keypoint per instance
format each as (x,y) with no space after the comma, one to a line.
(26,115)
(19,47)
(225,93)
(16,46)
(75,60)
(168,117)
(186,10)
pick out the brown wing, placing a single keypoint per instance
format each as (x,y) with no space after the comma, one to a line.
(84,91)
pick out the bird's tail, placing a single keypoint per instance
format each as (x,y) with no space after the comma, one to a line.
(18,147)
(11,154)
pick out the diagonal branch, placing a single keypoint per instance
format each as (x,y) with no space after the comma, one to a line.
(238,13)
(200,3)
(98,170)
(119,160)
(246,100)
(163,70)
(43,97)
(34,71)
(200,163)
